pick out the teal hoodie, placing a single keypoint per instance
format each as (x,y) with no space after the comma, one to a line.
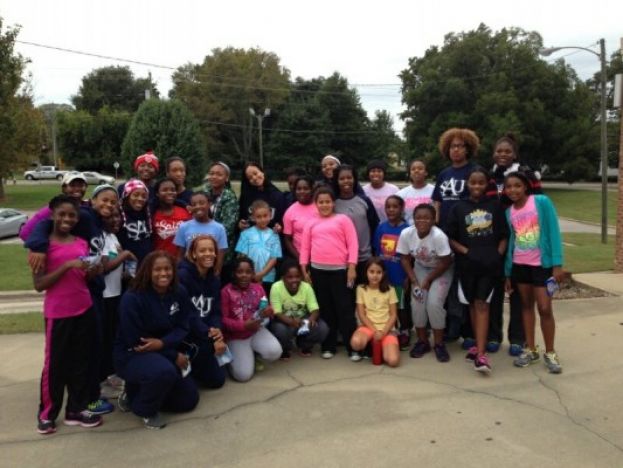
(550,241)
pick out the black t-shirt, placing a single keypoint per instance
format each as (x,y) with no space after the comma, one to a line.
(479,226)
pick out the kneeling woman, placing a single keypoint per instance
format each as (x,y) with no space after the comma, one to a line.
(153,322)
(196,274)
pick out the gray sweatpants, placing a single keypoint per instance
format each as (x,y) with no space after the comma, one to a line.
(430,308)
(262,342)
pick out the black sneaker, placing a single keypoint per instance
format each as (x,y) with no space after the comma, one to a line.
(285,356)
(45,426)
(82,419)
(154,422)
(123,402)
(441,353)
(420,348)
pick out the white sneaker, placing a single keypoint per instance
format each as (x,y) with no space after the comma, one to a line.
(327,355)
(355,356)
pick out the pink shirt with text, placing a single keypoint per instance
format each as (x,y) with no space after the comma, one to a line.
(525,223)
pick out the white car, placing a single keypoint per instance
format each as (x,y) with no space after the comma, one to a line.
(95,178)
(11,222)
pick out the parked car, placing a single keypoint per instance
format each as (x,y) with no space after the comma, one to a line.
(11,221)
(95,178)
(44,172)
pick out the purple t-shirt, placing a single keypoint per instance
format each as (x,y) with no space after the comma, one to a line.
(69,296)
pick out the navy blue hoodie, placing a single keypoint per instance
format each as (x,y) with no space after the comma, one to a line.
(90,227)
(147,314)
(135,234)
(205,295)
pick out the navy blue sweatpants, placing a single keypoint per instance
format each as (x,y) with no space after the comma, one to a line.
(205,368)
(154,383)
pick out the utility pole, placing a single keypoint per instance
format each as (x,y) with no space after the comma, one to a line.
(618,244)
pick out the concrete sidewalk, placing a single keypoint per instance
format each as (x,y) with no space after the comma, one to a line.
(311,412)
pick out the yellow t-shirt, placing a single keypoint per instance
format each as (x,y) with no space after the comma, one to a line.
(377,304)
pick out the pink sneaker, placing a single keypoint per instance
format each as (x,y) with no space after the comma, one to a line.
(481,364)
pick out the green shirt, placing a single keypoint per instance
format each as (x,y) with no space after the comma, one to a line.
(298,306)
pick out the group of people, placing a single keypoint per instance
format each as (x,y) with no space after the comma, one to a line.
(153,289)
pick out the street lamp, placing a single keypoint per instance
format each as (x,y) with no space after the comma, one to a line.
(604,136)
(260,118)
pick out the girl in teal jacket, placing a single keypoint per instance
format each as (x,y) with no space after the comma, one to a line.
(533,260)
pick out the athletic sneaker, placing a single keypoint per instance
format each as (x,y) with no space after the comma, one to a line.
(515,349)
(259,364)
(468,343)
(404,340)
(472,354)
(355,356)
(420,348)
(527,357)
(154,422)
(100,407)
(481,364)
(45,426)
(552,362)
(441,353)
(327,355)
(123,402)
(305,352)
(83,419)
(285,356)
(493,346)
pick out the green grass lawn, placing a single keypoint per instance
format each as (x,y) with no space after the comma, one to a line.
(29,197)
(585,253)
(28,322)
(583,205)
(14,270)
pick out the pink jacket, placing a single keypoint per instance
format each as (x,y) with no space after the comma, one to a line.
(238,306)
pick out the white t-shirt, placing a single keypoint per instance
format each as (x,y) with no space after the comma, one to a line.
(414,197)
(378,197)
(427,251)
(112,279)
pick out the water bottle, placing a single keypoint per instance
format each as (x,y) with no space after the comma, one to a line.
(377,352)
(130,267)
(552,286)
(225,358)
(304,328)
(262,306)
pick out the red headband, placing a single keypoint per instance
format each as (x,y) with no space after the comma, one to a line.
(149,158)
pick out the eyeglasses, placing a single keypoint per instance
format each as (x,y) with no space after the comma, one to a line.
(457,146)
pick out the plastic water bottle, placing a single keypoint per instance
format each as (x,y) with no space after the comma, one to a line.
(552,286)
(130,267)
(262,306)
(304,328)
(377,352)
(225,358)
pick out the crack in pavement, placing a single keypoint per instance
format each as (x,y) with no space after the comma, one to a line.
(298,384)
(570,416)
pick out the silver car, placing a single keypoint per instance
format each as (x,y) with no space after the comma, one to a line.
(95,178)
(11,221)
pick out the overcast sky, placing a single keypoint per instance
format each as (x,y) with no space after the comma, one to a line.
(368,42)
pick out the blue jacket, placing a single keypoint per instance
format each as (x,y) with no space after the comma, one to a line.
(205,295)
(550,241)
(135,234)
(147,314)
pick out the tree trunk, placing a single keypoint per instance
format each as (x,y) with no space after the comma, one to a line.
(1,188)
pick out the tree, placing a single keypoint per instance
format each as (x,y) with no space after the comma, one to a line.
(349,120)
(220,91)
(494,83)
(302,130)
(92,142)
(11,68)
(169,129)
(114,87)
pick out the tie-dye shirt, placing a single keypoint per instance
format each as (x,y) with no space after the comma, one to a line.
(525,223)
